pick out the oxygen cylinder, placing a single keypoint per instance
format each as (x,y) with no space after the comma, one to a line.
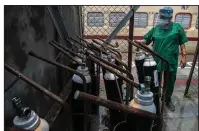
(105,58)
(150,69)
(77,84)
(139,61)
(114,94)
(95,87)
(77,107)
(120,81)
(27,119)
(144,101)
(117,46)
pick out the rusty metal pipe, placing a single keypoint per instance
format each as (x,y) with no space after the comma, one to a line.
(117,59)
(71,43)
(103,46)
(65,53)
(100,49)
(87,45)
(111,48)
(59,65)
(34,84)
(83,40)
(94,46)
(84,45)
(148,50)
(113,71)
(117,53)
(120,61)
(62,48)
(106,42)
(114,66)
(113,105)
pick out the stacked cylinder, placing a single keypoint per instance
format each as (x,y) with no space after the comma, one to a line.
(26,118)
(78,106)
(113,91)
(143,100)
(150,69)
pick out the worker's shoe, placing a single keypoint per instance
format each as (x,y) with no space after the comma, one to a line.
(170,105)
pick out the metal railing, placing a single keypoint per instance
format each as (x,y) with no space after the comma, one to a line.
(192,81)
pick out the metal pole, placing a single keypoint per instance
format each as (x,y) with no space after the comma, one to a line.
(113,105)
(65,48)
(147,49)
(121,24)
(34,84)
(56,107)
(87,45)
(57,20)
(109,48)
(105,42)
(192,69)
(65,53)
(114,57)
(130,53)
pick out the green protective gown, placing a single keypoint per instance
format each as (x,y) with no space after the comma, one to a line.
(166,43)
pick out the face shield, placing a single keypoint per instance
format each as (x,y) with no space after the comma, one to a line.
(165,15)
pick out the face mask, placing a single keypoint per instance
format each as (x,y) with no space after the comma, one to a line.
(164,22)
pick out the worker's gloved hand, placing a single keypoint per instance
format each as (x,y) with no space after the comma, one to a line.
(183,62)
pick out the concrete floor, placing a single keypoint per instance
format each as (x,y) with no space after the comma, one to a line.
(185,116)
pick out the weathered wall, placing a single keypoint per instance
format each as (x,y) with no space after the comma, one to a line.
(29,28)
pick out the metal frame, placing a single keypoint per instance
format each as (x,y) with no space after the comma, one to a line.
(130,57)
(192,70)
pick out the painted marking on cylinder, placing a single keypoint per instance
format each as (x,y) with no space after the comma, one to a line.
(156,78)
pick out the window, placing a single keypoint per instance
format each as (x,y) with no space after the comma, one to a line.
(95,19)
(140,20)
(184,19)
(115,18)
(197,23)
(156,19)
